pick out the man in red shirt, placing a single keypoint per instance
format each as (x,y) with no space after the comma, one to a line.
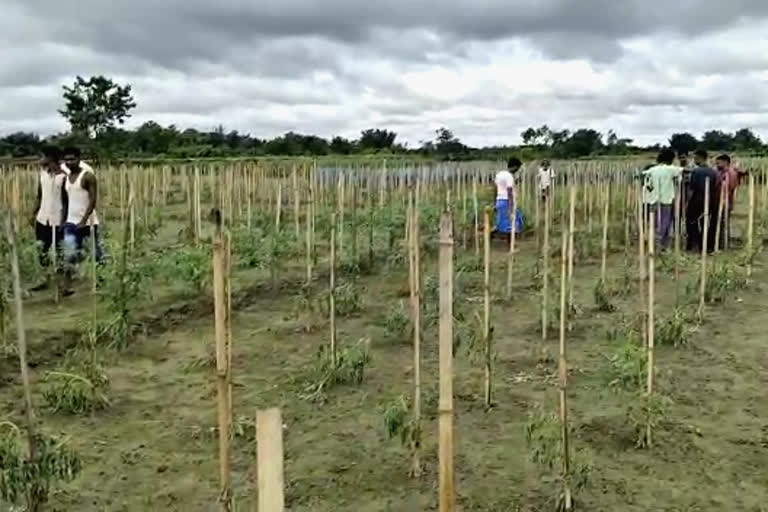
(729,182)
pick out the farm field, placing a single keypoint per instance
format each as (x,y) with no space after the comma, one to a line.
(151,441)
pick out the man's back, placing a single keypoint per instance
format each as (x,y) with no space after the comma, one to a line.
(697,185)
(661,180)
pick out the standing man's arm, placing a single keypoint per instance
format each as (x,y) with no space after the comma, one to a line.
(64,203)
(89,184)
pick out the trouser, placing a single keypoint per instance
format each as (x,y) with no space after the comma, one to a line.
(694,222)
(74,238)
(503,224)
(664,218)
(44,235)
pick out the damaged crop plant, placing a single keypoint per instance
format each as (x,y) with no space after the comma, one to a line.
(363,318)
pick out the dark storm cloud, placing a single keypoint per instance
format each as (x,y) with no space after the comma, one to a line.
(177,33)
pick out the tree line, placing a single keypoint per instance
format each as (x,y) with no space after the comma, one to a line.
(96,109)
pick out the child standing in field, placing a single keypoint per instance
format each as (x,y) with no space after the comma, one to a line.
(661,185)
(505,196)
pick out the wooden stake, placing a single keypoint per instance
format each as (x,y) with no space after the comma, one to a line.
(545,276)
(563,370)
(21,335)
(222,370)
(445,454)
(332,290)
(720,218)
(269,456)
(487,303)
(651,314)
(704,246)
(415,285)
(678,229)
(604,247)
(512,238)
(296,202)
(751,225)
(477,216)
(571,231)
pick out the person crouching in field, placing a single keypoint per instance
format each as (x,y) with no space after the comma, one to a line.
(505,197)
(82,193)
(50,207)
(662,183)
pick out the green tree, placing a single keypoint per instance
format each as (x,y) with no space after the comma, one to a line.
(92,106)
(717,140)
(341,146)
(746,140)
(683,142)
(377,140)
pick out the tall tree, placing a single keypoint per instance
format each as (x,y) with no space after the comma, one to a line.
(683,142)
(92,106)
(717,140)
(377,139)
(746,140)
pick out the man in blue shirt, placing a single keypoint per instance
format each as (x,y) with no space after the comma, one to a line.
(694,214)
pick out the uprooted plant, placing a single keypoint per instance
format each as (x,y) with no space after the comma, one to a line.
(672,329)
(346,366)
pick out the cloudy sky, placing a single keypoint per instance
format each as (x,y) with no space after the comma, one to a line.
(486,69)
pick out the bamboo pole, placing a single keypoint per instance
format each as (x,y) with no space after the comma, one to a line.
(651,316)
(563,370)
(475,206)
(604,246)
(512,241)
(641,228)
(296,202)
(332,290)
(415,285)
(54,265)
(222,370)
(678,229)
(545,275)
(269,456)
(704,247)
(21,335)
(751,225)
(571,231)
(445,453)
(487,303)
(308,242)
(278,204)
(720,210)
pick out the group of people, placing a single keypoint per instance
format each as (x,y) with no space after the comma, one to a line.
(65,212)
(662,184)
(707,196)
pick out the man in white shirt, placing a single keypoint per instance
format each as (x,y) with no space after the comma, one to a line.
(546,178)
(50,206)
(505,196)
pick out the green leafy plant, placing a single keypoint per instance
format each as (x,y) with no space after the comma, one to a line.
(644,410)
(672,329)
(73,393)
(543,435)
(348,368)
(28,479)
(602,298)
(126,281)
(724,278)
(626,365)
(398,421)
(189,265)
(349,299)
(397,323)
